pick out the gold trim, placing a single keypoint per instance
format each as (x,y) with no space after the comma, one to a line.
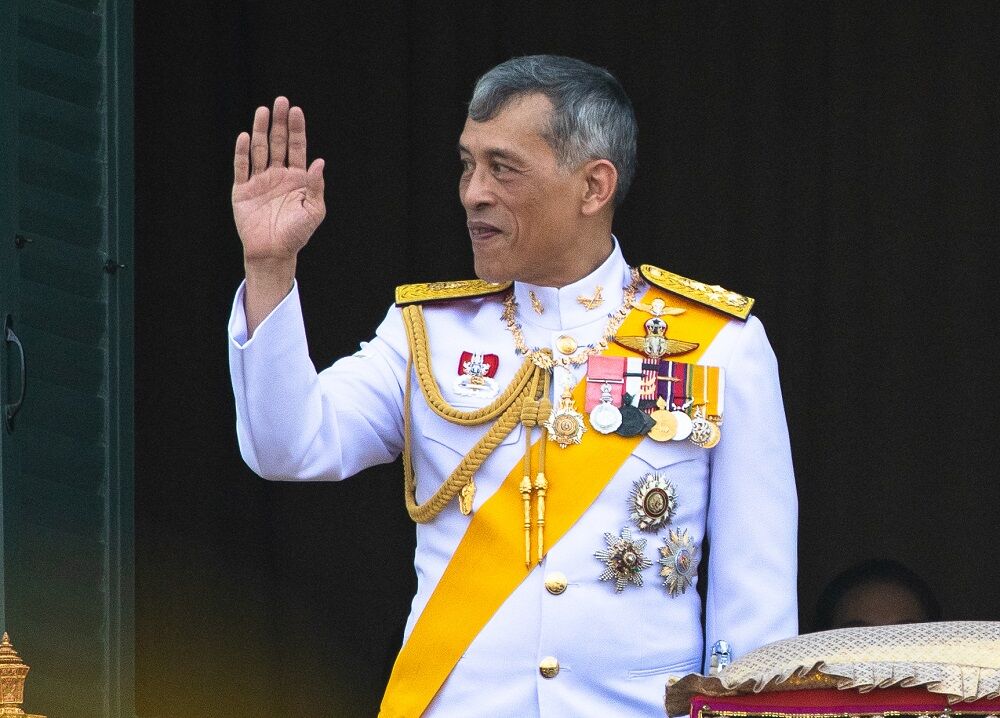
(711,295)
(441,291)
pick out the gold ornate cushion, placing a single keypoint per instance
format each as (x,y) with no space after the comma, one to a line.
(960,659)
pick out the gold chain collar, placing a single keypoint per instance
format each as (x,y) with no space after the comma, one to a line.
(543,357)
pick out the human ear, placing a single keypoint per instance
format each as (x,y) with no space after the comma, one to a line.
(601,180)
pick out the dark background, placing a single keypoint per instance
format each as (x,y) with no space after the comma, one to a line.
(837,161)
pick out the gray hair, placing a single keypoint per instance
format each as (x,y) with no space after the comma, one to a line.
(592,117)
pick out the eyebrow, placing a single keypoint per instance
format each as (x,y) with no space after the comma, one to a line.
(495,153)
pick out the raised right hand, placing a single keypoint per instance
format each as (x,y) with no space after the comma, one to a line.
(277,202)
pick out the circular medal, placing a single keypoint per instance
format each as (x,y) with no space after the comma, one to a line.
(715,435)
(665,427)
(565,424)
(566,428)
(683,425)
(701,430)
(605,418)
(653,502)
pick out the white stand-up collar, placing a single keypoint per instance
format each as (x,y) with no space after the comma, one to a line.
(566,307)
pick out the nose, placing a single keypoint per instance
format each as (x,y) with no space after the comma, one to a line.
(475,189)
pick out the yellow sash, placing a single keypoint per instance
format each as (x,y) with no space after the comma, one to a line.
(488,564)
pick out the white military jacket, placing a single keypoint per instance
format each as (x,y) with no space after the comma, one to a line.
(615,651)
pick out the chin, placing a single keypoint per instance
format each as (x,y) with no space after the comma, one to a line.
(492,271)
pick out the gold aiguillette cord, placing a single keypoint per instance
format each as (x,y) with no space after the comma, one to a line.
(535,413)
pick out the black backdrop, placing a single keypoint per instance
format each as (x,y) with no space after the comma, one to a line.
(836,161)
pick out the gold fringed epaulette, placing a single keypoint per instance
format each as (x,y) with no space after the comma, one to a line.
(711,295)
(441,291)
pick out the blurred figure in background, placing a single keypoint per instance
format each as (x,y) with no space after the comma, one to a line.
(877,592)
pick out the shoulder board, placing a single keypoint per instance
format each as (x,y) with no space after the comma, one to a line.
(441,291)
(711,295)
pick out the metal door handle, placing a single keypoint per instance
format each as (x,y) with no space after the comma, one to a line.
(10,410)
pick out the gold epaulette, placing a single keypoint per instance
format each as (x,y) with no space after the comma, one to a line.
(441,291)
(711,295)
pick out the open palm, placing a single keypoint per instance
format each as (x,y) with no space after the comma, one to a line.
(277,202)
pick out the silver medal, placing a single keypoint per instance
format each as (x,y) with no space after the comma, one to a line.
(605,417)
(684,425)
(679,562)
(652,503)
(623,559)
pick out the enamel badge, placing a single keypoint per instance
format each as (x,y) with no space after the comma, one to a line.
(653,502)
(565,424)
(624,559)
(679,562)
(475,375)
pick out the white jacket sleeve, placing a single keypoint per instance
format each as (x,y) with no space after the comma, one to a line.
(753,509)
(295,423)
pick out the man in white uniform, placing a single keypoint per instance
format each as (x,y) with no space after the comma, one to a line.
(576,431)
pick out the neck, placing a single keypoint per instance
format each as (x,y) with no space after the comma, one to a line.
(581,258)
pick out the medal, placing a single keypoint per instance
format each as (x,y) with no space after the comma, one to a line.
(624,559)
(684,425)
(704,433)
(653,502)
(679,400)
(666,423)
(705,430)
(565,424)
(476,372)
(679,562)
(635,422)
(605,417)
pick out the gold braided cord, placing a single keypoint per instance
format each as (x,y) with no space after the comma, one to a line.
(520,402)
(416,334)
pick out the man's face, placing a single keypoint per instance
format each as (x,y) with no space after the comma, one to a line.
(522,207)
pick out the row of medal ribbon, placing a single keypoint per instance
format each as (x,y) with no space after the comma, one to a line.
(665,400)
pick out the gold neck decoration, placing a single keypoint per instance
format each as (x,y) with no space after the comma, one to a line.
(543,357)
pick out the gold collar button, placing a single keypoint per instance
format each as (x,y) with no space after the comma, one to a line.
(566,344)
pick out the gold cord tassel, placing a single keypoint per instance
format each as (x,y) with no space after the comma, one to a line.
(525,489)
(506,410)
(541,483)
(525,401)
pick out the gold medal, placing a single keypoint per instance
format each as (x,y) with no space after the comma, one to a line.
(666,423)
(715,435)
(565,424)
(704,432)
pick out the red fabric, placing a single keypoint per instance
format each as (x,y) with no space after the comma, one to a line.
(827,700)
(490,359)
(602,369)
